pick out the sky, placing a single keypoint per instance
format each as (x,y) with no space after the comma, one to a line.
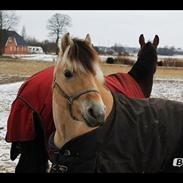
(107,27)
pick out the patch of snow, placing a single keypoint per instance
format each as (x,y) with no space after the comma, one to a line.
(169,89)
(7,95)
(42,57)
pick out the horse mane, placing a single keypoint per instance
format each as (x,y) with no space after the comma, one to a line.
(83,54)
(149,43)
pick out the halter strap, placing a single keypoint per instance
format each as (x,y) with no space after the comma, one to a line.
(71,98)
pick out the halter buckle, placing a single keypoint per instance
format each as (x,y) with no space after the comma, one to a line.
(70,99)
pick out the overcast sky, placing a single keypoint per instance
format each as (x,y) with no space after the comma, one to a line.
(109,27)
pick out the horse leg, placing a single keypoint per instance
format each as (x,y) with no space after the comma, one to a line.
(143,72)
(33,154)
(32,159)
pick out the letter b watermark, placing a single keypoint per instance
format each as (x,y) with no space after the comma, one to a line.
(178,162)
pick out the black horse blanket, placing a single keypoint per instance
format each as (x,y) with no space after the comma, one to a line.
(139,136)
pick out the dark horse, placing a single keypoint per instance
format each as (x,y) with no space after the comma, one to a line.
(145,67)
(36,118)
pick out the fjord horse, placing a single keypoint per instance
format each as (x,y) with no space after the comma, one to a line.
(78,90)
(101,131)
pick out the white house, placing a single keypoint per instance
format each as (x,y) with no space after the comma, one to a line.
(35,49)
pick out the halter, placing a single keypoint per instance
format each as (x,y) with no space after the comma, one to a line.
(71,98)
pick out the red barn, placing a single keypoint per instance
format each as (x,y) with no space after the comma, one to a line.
(12,43)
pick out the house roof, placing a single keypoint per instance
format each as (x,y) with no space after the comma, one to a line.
(5,34)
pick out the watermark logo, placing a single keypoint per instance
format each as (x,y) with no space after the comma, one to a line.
(178,162)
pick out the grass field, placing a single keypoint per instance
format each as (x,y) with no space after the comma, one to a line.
(12,70)
(162,72)
(21,68)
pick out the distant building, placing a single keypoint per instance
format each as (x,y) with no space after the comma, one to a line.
(105,50)
(35,49)
(12,43)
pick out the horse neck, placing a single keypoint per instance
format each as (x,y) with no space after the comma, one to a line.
(106,97)
(66,127)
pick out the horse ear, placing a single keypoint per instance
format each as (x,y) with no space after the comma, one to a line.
(88,40)
(156,41)
(65,41)
(141,40)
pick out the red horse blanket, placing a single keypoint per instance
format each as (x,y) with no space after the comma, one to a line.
(35,94)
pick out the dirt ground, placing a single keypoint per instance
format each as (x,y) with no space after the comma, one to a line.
(12,70)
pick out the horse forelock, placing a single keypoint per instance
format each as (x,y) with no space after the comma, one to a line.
(80,56)
(147,51)
(149,43)
(149,47)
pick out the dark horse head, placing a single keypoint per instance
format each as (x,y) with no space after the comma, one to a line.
(148,53)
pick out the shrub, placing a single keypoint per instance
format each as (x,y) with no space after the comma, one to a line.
(123,60)
(110,60)
(171,62)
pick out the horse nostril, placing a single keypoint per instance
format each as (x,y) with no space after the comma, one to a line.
(98,115)
(94,115)
(91,112)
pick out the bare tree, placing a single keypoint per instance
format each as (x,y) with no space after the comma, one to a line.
(57,25)
(23,33)
(8,20)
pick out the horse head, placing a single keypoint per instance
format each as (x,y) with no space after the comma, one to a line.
(148,50)
(78,86)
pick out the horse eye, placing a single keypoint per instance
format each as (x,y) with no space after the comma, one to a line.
(68,74)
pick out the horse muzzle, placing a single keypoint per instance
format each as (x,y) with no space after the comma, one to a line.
(94,115)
